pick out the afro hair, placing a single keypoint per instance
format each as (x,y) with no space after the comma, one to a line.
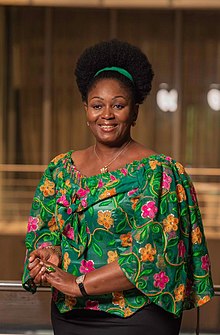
(115,53)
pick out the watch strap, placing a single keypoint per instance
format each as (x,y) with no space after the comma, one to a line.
(79,281)
(82,290)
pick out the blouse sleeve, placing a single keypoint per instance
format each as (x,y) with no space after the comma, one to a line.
(168,260)
(42,228)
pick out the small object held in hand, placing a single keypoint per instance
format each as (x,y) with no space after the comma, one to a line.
(50,269)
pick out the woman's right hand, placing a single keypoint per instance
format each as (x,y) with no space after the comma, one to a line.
(36,259)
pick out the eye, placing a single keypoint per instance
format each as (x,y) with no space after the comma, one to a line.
(118,106)
(97,106)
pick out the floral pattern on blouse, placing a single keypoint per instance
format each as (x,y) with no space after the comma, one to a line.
(145,216)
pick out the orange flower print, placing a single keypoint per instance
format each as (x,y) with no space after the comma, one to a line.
(127,312)
(105,219)
(204,300)
(52,224)
(67,183)
(60,175)
(107,193)
(112,256)
(48,188)
(66,261)
(118,299)
(60,220)
(153,164)
(170,223)
(147,253)
(63,191)
(126,240)
(196,236)
(134,202)
(57,158)
(179,292)
(180,168)
(70,301)
(181,194)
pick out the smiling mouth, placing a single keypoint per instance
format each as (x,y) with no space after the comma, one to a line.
(107,128)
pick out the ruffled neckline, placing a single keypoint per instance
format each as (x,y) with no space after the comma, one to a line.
(129,167)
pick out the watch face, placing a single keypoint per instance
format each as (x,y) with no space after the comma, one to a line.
(80,279)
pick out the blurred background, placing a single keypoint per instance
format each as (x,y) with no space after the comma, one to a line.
(41,116)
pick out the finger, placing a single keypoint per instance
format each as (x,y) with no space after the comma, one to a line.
(34,254)
(39,277)
(31,265)
(50,269)
(34,272)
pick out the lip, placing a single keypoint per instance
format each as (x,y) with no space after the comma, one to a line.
(107,127)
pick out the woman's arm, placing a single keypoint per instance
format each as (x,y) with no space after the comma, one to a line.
(109,278)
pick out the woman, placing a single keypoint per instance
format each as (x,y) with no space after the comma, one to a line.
(115,228)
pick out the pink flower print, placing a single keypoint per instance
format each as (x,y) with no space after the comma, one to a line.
(193,194)
(149,210)
(132,191)
(82,192)
(62,200)
(124,171)
(166,181)
(112,178)
(69,211)
(87,230)
(86,266)
(181,249)
(32,224)
(205,262)
(44,245)
(94,305)
(100,183)
(160,280)
(69,232)
(84,203)
(168,158)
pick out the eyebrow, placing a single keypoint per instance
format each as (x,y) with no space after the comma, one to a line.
(117,96)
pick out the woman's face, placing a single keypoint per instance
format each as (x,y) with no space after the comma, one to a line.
(110,111)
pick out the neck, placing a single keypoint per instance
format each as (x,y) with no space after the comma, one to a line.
(105,150)
(105,163)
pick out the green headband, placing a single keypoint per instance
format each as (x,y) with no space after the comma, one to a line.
(117,69)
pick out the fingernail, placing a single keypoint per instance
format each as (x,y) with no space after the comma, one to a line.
(42,269)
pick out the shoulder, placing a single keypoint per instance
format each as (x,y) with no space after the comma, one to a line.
(162,161)
(160,169)
(57,164)
(60,158)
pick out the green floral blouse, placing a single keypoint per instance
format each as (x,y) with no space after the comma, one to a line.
(144,215)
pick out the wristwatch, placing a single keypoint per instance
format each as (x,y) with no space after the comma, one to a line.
(79,282)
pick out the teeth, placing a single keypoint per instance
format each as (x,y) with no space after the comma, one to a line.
(107,127)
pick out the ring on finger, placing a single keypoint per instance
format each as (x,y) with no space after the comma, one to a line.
(50,269)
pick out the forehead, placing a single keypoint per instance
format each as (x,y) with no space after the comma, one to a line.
(109,86)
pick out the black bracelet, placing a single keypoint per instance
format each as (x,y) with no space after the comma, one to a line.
(82,290)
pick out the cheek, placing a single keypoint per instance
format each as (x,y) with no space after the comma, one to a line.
(91,116)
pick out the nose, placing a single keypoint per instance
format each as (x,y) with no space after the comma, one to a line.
(107,113)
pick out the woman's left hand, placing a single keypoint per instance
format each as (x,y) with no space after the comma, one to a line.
(61,280)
